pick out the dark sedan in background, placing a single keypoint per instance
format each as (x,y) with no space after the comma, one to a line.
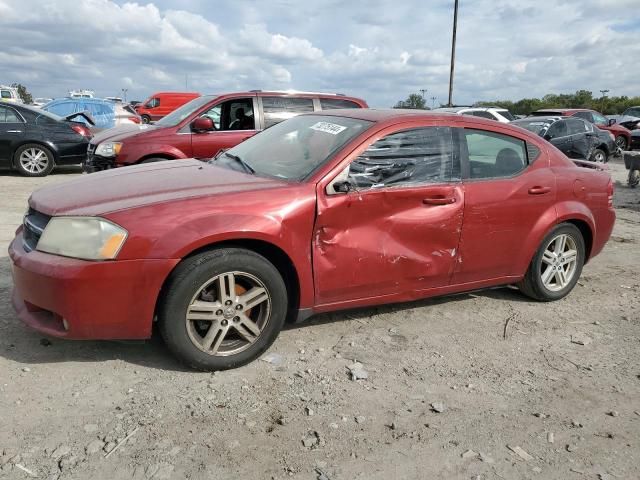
(33,141)
(575,137)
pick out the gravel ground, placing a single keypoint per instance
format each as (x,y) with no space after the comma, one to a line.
(450,391)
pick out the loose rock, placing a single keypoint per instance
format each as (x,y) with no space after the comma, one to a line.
(358,372)
(438,407)
(469,454)
(520,452)
(94,447)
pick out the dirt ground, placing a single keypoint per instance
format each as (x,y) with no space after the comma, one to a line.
(524,401)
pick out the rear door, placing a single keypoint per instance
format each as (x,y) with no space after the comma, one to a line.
(234,119)
(508,187)
(582,142)
(558,135)
(12,129)
(397,230)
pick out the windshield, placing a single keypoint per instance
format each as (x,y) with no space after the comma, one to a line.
(295,148)
(175,117)
(535,126)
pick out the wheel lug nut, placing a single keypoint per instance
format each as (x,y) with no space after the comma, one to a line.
(236,319)
(219,312)
(238,307)
(224,323)
(228,302)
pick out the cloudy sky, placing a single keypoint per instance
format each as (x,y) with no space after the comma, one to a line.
(380,50)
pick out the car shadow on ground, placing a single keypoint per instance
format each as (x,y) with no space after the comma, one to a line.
(25,346)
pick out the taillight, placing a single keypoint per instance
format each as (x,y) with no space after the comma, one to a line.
(82,130)
(135,119)
(610,194)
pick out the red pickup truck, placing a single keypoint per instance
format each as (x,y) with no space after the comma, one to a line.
(206,125)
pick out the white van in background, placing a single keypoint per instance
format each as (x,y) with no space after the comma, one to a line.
(9,94)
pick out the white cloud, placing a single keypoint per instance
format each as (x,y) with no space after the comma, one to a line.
(375,49)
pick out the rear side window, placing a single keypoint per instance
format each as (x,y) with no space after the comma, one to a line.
(481,114)
(63,109)
(493,155)
(584,115)
(411,157)
(6,94)
(334,103)
(277,109)
(576,126)
(8,116)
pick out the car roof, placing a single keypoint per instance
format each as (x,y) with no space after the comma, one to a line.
(388,114)
(540,118)
(562,111)
(81,99)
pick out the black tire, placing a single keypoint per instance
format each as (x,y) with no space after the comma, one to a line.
(184,286)
(532,284)
(146,119)
(621,142)
(599,155)
(634,178)
(33,170)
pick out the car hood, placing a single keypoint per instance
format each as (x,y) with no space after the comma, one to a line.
(123,132)
(130,187)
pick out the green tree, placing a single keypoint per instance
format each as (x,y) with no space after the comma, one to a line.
(414,100)
(23,92)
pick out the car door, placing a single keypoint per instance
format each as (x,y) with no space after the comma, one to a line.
(558,135)
(396,229)
(582,138)
(508,187)
(12,129)
(234,122)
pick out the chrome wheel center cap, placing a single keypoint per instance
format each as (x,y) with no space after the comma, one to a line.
(229,313)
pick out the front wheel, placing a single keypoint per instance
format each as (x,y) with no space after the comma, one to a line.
(146,119)
(556,266)
(621,142)
(222,309)
(634,178)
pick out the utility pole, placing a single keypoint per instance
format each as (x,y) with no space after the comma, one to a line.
(124,94)
(604,95)
(433,102)
(453,51)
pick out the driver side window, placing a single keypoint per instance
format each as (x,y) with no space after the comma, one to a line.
(236,114)
(411,157)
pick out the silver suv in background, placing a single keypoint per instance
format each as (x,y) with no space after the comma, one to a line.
(9,94)
(492,113)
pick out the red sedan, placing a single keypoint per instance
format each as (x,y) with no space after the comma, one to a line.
(322,212)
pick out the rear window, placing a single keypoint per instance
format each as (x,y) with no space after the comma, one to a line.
(277,109)
(6,94)
(335,103)
(506,114)
(533,126)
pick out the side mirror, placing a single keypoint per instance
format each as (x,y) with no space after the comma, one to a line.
(343,186)
(202,124)
(612,121)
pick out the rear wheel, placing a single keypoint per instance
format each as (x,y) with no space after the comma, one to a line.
(145,119)
(556,266)
(222,309)
(33,160)
(599,156)
(621,142)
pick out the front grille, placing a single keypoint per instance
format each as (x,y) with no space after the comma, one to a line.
(34,223)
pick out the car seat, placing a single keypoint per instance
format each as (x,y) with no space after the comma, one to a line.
(508,162)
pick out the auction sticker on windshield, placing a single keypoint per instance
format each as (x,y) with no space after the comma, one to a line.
(327,127)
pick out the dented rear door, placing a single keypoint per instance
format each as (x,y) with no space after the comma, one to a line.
(398,229)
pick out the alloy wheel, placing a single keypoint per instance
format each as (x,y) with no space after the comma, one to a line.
(621,142)
(599,157)
(559,262)
(34,160)
(228,313)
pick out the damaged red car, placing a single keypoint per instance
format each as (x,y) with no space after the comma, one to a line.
(325,211)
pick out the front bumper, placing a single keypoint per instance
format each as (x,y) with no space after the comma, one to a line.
(95,163)
(78,299)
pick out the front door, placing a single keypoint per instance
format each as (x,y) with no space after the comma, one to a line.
(234,122)
(508,189)
(11,131)
(397,228)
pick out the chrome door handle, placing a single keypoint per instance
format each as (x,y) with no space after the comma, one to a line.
(14,131)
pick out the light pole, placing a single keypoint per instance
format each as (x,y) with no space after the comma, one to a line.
(433,102)
(453,51)
(124,94)
(604,95)
(423,91)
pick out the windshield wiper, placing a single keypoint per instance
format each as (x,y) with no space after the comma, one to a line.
(244,164)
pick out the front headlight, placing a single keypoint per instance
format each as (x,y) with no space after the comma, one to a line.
(108,149)
(87,238)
